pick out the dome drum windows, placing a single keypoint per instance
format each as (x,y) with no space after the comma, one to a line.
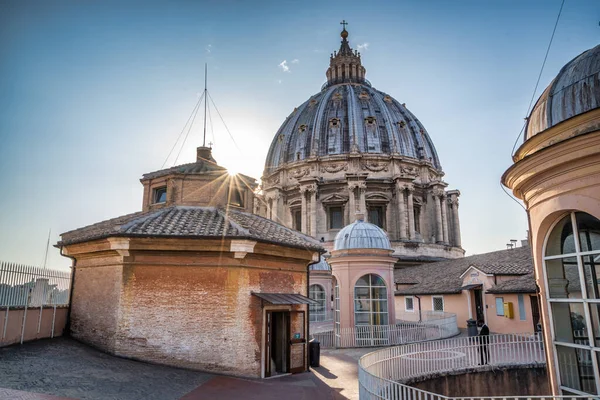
(572,271)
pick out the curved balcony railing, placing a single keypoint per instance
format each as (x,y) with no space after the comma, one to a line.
(384,374)
(409,328)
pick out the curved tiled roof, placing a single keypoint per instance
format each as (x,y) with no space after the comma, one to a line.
(366,120)
(574,91)
(444,277)
(198,167)
(193,222)
(522,284)
(361,235)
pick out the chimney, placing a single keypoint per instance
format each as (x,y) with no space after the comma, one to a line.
(204,153)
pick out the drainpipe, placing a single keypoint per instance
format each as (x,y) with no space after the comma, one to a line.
(67,331)
(308,284)
(419,300)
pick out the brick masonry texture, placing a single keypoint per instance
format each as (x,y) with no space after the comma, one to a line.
(163,310)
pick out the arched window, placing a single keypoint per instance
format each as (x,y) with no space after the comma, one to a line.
(336,313)
(370,301)
(572,273)
(317,311)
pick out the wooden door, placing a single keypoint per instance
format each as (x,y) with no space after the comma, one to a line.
(268,328)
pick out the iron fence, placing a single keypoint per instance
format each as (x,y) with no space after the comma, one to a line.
(25,285)
(427,326)
(384,374)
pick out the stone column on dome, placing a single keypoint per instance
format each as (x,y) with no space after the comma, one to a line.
(444,218)
(303,190)
(454,204)
(411,213)
(439,237)
(401,210)
(351,203)
(275,207)
(362,187)
(312,189)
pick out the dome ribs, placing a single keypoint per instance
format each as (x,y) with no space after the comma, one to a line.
(574,91)
(348,118)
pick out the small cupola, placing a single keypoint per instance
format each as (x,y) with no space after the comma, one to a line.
(204,153)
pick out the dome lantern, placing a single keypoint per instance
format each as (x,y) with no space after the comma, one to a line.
(345,65)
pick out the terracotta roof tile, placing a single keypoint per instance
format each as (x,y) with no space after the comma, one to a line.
(444,277)
(199,222)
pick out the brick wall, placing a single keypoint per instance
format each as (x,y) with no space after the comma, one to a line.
(198,317)
(180,308)
(95,304)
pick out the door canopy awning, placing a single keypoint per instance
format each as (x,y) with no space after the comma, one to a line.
(469,287)
(284,298)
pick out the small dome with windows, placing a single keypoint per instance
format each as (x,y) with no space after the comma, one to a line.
(362,235)
(320,266)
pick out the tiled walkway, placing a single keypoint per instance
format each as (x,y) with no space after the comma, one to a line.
(70,370)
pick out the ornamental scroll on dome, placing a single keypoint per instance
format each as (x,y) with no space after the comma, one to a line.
(299,173)
(374,166)
(333,168)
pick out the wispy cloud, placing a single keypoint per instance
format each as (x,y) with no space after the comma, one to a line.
(364,46)
(208,48)
(284,67)
(279,81)
(295,61)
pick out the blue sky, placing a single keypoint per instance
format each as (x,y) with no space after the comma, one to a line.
(94,94)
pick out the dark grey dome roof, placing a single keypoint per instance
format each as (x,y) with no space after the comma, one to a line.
(361,235)
(347,117)
(320,266)
(574,91)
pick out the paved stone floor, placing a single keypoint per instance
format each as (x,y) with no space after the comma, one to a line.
(70,370)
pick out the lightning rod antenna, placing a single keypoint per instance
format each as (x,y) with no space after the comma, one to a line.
(205,104)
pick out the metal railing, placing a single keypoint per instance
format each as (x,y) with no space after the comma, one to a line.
(385,373)
(432,326)
(25,285)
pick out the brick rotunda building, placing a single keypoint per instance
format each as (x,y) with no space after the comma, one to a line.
(351,148)
(193,280)
(556,172)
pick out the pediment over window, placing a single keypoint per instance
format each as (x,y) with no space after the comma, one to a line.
(334,198)
(295,203)
(377,197)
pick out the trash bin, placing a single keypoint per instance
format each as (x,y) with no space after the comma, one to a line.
(314,352)
(472,327)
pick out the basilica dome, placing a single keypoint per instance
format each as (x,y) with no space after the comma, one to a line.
(574,91)
(351,150)
(349,116)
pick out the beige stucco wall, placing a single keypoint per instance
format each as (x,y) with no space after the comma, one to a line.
(14,323)
(348,266)
(459,305)
(557,172)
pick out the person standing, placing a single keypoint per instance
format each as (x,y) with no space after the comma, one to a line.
(484,341)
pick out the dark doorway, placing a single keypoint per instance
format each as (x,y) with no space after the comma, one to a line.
(479,313)
(535,313)
(277,360)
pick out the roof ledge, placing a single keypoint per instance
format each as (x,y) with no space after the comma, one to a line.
(242,247)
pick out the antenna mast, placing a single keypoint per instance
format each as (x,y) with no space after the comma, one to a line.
(205,104)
